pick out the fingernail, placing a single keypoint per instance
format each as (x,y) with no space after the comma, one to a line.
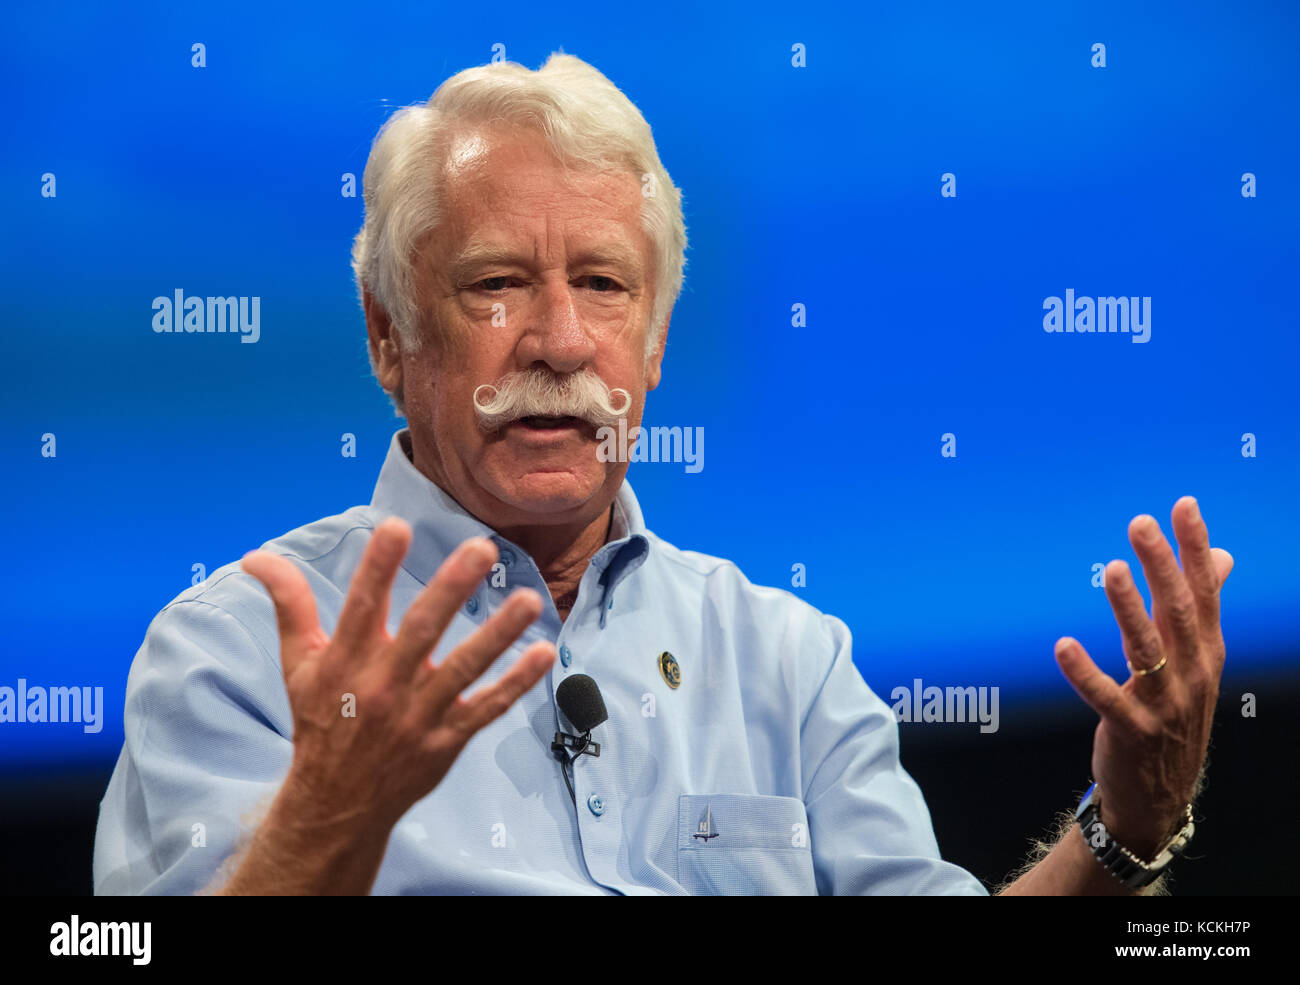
(1196,508)
(1148,530)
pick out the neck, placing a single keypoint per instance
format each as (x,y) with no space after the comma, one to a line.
(562,554)
(561,551)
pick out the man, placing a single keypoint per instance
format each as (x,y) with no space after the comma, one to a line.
(334,718)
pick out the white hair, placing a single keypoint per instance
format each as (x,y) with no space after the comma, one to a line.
(587,122)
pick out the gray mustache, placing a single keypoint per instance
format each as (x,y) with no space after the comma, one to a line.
(539,393)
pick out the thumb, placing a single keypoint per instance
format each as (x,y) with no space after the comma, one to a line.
(1223,563)
(295,606)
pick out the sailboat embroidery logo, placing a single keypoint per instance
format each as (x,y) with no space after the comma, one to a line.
(706,829)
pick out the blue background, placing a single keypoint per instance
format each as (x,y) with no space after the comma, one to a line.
(817,185)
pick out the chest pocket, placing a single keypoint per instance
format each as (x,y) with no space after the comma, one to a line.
(744,844)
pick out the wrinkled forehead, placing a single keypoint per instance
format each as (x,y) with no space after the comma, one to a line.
(475,153)
(514,170)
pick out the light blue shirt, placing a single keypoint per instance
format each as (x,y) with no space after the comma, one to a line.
(772,744)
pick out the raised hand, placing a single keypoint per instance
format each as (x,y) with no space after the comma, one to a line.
(1151,742)
(354,776)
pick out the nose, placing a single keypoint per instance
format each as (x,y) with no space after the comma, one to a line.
(555,334)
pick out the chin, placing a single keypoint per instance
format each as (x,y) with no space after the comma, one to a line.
(551,493)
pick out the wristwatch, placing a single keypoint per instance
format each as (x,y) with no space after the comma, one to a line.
(1118,860)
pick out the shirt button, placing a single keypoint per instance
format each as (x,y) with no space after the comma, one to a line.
(471,605)
(596,805)
(506,556)
(566,655)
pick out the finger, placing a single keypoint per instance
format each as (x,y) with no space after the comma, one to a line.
(365,611)
(1172,603)
(429,615)
(1197,560)
(1098,689)
(1223,564)
(295,606)
(491,702)
(1141,641)
(467,662)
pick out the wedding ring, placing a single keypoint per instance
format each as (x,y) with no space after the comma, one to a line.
(1138,672)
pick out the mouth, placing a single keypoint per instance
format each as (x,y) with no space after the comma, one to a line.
(537,423)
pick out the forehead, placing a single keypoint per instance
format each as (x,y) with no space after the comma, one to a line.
(504,181)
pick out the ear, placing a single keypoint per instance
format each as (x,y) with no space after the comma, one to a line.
(385,345)
(655,363)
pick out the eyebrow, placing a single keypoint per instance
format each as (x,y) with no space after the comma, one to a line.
(481,254)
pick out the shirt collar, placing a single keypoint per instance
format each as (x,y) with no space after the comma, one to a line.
(439,524)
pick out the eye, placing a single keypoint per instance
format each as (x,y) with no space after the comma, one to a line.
(491,285)
(602,284)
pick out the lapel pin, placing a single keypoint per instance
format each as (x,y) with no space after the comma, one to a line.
(672,674)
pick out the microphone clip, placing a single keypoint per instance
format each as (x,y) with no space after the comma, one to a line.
(580,744)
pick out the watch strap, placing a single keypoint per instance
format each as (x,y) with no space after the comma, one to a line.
(1118,860)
